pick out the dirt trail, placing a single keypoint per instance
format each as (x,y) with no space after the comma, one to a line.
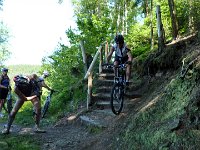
(95,133)
(91,130)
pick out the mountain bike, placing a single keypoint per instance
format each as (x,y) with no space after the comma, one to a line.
(47,103)
(118,89)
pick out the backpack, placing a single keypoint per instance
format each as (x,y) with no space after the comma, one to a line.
(24,84)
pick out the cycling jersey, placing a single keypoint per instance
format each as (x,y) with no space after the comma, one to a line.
(121,52)
(5,81)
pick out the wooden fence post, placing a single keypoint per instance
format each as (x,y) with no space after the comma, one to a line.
(106,52)
(89,92)
(100,60)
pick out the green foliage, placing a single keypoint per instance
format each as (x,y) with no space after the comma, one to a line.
(22,69)
(138,46)
(4,49)
(95,130)
(12,142)
(24,116)
(93,22)
(66,69)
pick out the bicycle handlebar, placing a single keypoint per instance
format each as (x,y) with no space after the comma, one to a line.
(123,65)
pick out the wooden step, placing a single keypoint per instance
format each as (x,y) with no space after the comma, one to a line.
(104,89)
(97,118)
(106,76)
(105,70)
(104,83)
(128,104)
(101,97)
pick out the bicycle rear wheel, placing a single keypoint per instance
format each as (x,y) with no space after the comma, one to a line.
(9,105)
(45,109)
(117,99)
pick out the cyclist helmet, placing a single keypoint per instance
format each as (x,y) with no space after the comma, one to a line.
(4,70)
(119,39)
(46,73)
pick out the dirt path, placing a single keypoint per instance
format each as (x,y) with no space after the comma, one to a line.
(71,136)
(91,130)
(97,133)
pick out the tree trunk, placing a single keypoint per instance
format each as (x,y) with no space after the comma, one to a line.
(84,56)
(160,30)
(89,92)
(146,8)
(152,39)
(126,16)
(191,18)
(173,19)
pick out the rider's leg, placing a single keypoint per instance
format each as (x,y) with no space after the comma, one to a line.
(128,72)
(14,111)
(4,93)
(37,117)
(37,109)
(116,63)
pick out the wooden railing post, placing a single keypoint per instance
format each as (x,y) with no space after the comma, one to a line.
(106,52)
(89,92)
(100,60)
(88,74)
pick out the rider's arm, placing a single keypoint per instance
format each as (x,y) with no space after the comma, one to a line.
(110,54)
(130,58)
(46,86)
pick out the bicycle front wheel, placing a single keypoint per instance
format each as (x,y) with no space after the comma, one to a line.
(45,109)
(117,99)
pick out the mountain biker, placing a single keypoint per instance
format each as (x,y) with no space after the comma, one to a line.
(4,88)
(28,93)
(122,55)
(41,81)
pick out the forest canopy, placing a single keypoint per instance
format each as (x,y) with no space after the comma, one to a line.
(100,20)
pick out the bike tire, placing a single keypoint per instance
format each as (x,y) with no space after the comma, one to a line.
(45,109)
(9,106)
(117,98)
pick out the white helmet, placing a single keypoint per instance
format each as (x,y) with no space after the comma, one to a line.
(46,73)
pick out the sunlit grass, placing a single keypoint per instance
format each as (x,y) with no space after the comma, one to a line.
(150,129)
(18,142)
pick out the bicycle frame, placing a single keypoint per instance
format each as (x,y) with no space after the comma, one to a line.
(118,90)
(120,75)
(47,103)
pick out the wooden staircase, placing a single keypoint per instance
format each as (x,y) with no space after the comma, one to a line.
(102,90)
(99,112)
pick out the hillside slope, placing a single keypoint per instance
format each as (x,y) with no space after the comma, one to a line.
(165,117)
(169,118)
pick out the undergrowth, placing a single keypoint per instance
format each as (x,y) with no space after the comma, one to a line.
(151,127)
(11,142)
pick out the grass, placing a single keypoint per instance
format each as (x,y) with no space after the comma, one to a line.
(18,142)
(150,128)
(95,130)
